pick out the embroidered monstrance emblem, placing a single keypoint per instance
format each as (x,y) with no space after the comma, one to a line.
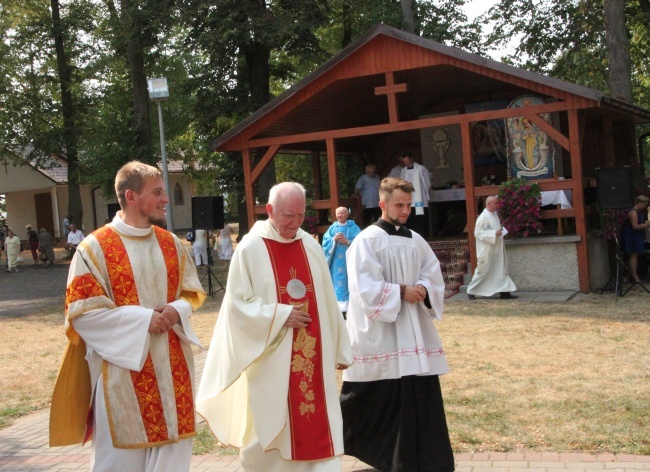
(296,287)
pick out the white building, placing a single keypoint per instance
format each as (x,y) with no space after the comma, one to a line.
(39,197)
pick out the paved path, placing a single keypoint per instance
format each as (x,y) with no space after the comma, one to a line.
(33,287)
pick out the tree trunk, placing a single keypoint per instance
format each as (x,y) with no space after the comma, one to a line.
(75,209)
(408,16)
(347,24)
(618,51)
(135,57)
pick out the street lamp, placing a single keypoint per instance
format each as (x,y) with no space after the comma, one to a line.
(158,92)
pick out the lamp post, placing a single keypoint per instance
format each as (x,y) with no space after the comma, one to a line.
(158,92)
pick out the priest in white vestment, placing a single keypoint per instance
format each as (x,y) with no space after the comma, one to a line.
(127,378)
(269,381)
(419,176)
(491,274)
(393,413)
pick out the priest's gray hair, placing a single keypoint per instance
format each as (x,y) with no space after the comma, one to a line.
(282,190)
(491,198)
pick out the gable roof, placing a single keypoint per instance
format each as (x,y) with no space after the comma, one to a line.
(336,94)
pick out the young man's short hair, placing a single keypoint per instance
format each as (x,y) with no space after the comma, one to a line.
(389,184)
(132,176)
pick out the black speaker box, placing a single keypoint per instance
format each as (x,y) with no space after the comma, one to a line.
(614,187)
(207,213)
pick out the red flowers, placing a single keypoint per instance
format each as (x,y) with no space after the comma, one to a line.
(520,207)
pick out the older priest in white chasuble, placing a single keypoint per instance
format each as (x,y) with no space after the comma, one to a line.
(393,413)
(269,381)
(127,378)
(491,273)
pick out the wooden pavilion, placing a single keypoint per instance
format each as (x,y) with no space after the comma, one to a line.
(376,96)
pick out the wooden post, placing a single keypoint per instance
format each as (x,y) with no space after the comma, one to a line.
(470,200)
(333,178)
(578,200)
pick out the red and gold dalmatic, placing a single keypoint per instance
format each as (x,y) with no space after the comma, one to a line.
(154,406)
(311,438)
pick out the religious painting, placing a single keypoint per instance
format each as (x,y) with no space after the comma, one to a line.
(488,136)
(531,152)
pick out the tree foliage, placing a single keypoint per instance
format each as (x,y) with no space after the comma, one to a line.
(226,58)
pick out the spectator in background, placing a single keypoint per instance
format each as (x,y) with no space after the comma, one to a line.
(75,236)
(66,226)
(45,247)
(12,246)
(368,188)
(32,241)
(200,246)
(225,243)
(633,234)
(397,170)
(3,235)
(336,242)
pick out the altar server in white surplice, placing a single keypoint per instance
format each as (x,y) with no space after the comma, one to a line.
(127,377)
(393,413)
(491,274)
(269,381)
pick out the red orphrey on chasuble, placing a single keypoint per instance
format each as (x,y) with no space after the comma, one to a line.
(311,438)
(145,383)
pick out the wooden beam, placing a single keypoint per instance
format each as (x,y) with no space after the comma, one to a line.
(333,177)
(408,125)
(579,201)
(470,200)
(259,168)
(391,90)
(248,186)
(550,130)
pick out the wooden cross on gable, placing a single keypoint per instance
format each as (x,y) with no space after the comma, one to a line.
(6,164)
(391,89)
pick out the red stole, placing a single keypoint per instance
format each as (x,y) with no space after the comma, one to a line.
(311,438)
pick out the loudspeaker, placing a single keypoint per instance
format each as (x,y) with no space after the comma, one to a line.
(207,213)
(614,187)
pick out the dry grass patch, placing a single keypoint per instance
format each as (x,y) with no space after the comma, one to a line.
(30,353)
(558,377)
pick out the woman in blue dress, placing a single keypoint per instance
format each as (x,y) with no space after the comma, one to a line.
(336,242)
(633,234)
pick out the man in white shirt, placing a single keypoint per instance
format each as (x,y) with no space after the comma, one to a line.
(368,188)
(74,238)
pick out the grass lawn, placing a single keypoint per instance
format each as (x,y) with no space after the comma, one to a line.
(562,377)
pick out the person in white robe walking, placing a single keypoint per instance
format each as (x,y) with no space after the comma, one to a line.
(491,274)
(269,383)
(393,412)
